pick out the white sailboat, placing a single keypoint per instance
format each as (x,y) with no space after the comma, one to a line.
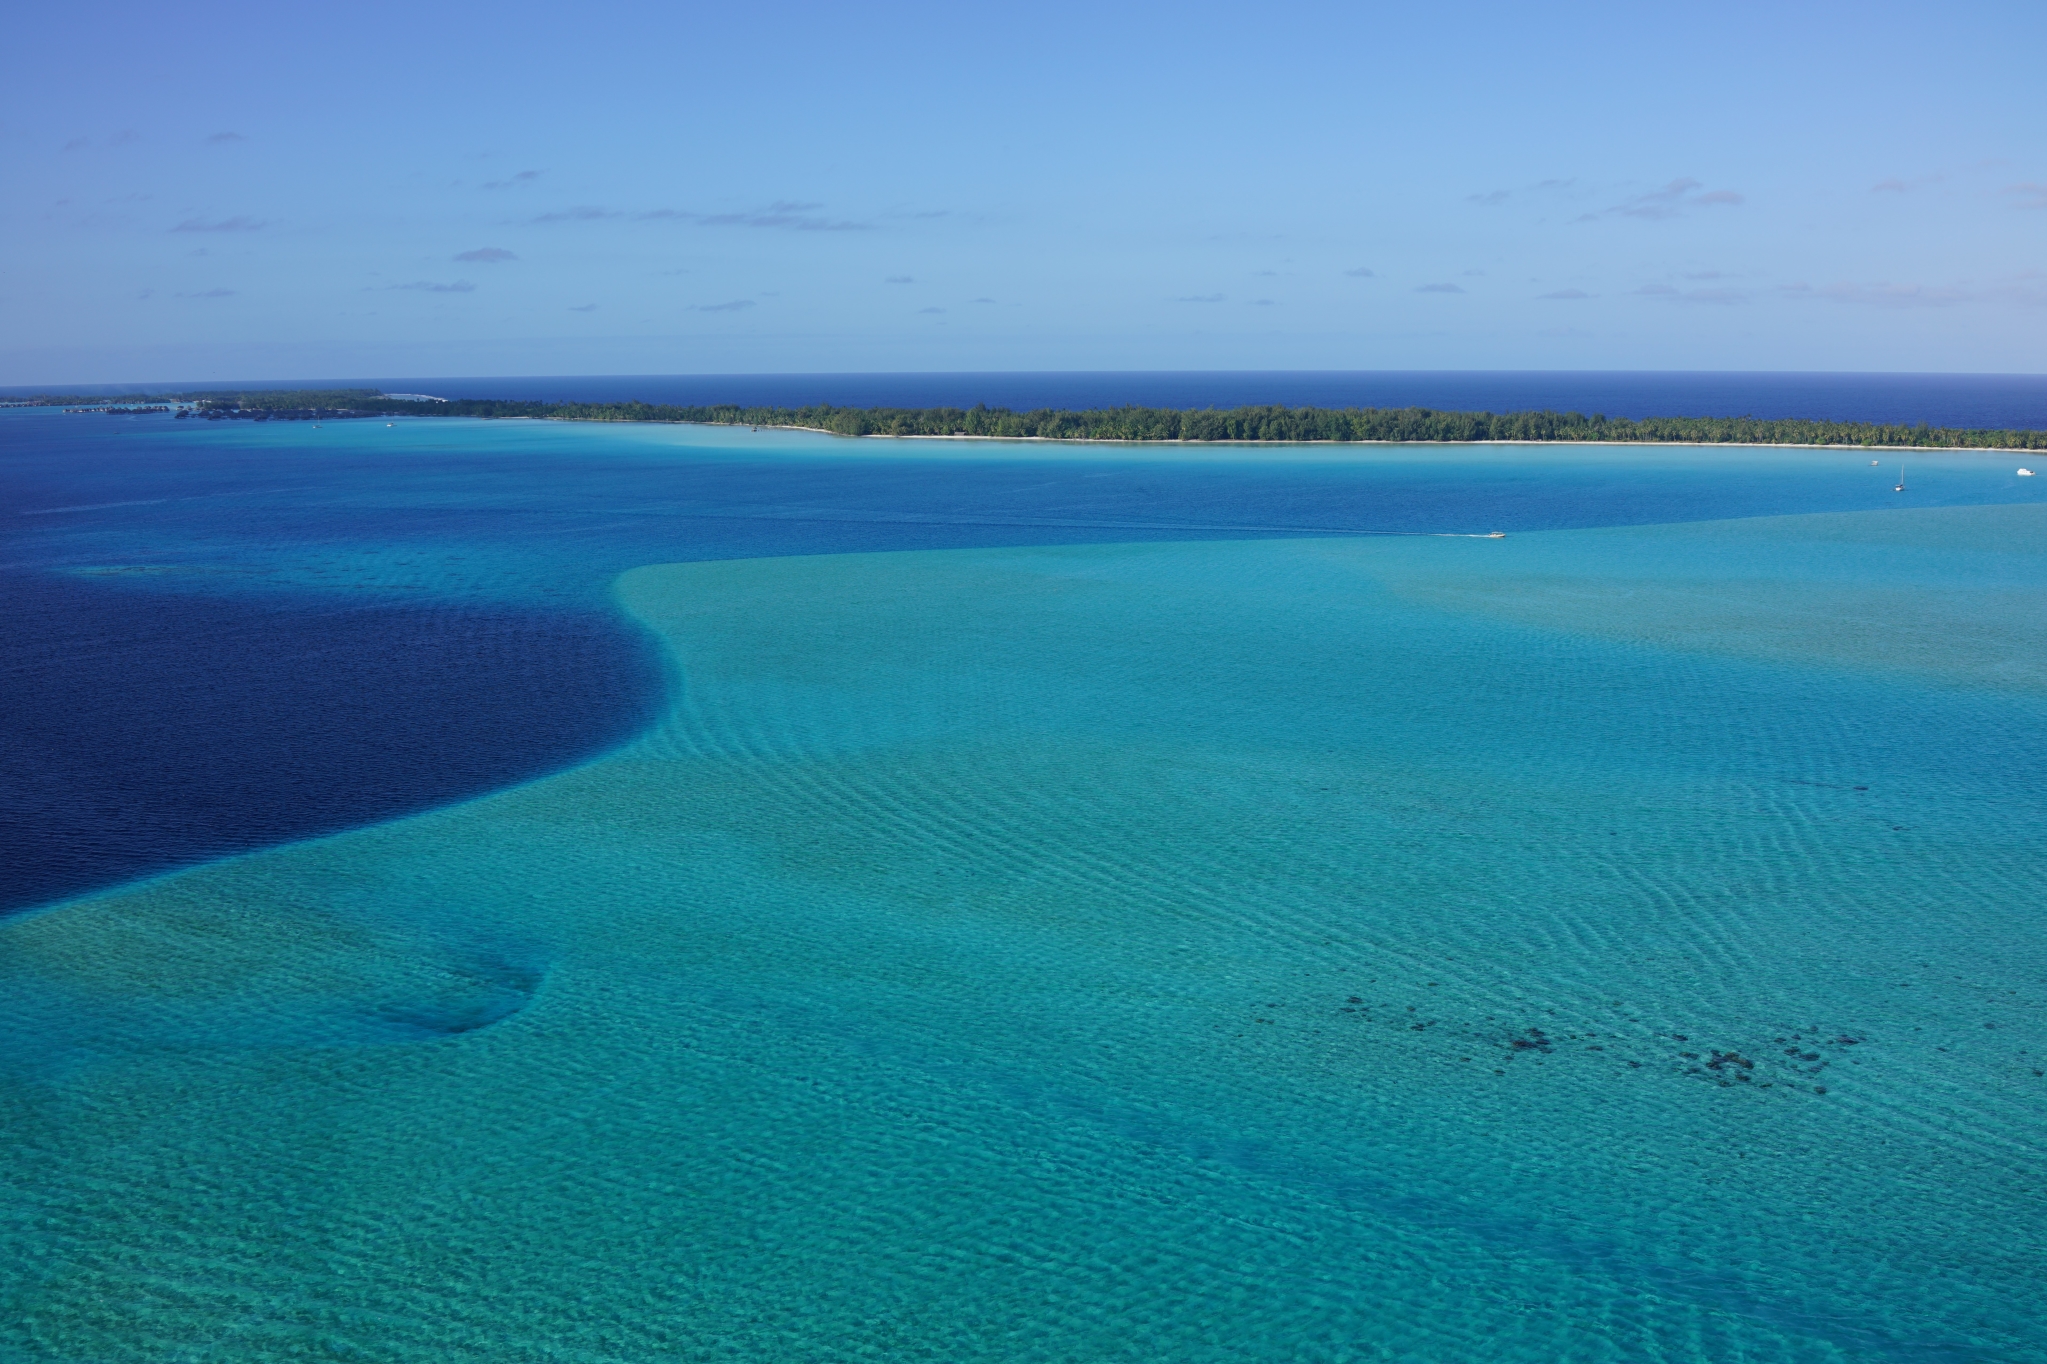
(1901,480)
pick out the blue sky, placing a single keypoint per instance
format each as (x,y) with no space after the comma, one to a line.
(202,191)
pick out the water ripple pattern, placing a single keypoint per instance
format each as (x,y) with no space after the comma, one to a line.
(1606,944)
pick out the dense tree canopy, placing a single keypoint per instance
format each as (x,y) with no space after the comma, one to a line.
(1260,424)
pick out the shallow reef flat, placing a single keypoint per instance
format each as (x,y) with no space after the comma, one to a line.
(1591,945)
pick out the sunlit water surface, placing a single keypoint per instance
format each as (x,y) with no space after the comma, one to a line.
(1039,904)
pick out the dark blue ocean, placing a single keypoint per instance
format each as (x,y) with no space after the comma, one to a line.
(2005,401)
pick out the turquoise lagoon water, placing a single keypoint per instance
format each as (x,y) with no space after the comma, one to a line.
(1604,943)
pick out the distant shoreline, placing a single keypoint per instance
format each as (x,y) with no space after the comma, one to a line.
(1127,425)
(1128,440)
(1116,440)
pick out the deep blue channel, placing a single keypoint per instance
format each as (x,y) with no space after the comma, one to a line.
(150,729)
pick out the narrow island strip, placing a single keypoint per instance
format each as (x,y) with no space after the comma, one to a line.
(1257,424)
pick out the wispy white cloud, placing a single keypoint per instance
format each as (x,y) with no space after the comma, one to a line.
(581,213)
(1903,184)
(736,305)
(224,137)
(2028,194)
(2028,287)
(1439,289)
(1199,298)
(486,255)
(1673,200)
(1881,294)
(427,286)
(1671,294)
(1565,294)
(801,217)
(1496,197)
(525,177)
(238,223)
(791,215)
(1360,273)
